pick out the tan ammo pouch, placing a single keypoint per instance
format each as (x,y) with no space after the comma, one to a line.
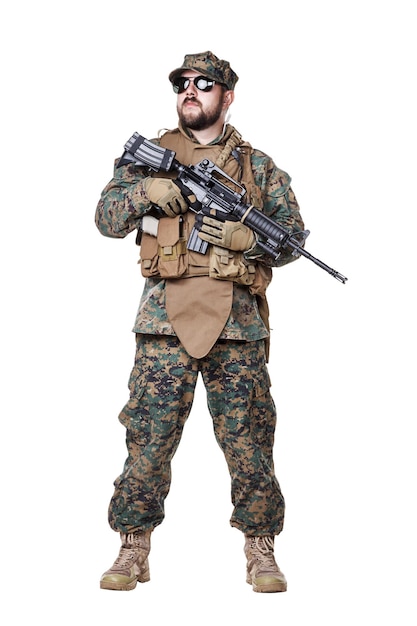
(228,265)
(164,255)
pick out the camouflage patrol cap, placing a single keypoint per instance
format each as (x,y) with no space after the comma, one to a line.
(210,66)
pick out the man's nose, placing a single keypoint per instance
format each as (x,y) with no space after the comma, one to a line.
(191,89)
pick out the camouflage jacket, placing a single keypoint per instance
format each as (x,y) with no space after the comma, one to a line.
(123,203)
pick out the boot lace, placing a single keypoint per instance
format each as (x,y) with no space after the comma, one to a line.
(263,551)
(129,551)
(126,558)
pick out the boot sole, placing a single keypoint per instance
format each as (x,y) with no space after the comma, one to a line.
(116,587)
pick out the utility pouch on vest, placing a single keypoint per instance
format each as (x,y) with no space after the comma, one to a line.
(262,278)
(229,265)
(149,255)
(164,255)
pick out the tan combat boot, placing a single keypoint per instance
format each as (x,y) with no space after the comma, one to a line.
(131,565)
(262,572)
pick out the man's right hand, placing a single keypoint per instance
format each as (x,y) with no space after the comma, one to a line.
(166,194)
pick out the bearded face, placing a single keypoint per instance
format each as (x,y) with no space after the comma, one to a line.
(198,115)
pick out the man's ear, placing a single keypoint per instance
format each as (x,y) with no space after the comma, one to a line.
(229,96)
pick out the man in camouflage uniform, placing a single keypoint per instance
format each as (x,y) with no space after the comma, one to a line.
(199,313)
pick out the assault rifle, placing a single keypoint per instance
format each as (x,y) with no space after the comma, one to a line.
(208,183)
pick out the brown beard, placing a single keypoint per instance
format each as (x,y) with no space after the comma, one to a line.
(204,119)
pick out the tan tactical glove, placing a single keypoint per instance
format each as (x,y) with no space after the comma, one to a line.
(231,235)
(166,194)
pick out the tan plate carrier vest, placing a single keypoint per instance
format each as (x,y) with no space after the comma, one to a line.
(198,309)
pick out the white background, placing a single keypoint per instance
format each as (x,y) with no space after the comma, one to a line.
(327,89)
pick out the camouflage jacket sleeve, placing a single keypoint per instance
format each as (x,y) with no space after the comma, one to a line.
(279,203)
(122,202)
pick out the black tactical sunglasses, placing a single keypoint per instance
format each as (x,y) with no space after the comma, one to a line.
(181,83)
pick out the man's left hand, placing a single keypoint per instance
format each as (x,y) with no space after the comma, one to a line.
(231,235)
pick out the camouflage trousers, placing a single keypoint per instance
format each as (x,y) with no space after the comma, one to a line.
(162,386)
